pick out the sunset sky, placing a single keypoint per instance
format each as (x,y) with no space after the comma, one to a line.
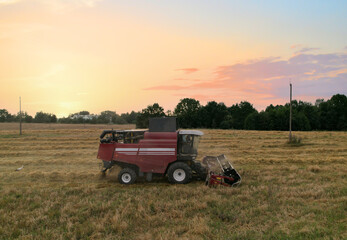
(64,56)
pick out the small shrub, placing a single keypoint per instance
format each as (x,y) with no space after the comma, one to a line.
(296,141)
(314,169)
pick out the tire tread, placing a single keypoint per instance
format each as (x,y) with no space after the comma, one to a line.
(183,166)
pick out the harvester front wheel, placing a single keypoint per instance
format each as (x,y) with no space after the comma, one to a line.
(179,173)
(127,176)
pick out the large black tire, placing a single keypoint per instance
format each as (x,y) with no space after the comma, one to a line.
(180,173)
(127,176)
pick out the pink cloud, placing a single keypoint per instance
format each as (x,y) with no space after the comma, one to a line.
(267,79)
(203,85)
(188,70)
(200,97)
(295,46)
(187,79)
(166,87)
(306,49)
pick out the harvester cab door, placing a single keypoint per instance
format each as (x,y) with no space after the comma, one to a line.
(188,142)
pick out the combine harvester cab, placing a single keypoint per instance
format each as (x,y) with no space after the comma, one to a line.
(159,150)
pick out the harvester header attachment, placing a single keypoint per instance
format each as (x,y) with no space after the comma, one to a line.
(220,171)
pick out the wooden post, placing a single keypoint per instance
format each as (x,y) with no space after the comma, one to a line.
(290,114)
(20,116)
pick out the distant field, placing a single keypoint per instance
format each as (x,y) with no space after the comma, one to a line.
(286,193)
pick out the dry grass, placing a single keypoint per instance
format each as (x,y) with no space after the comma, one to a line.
(287,192)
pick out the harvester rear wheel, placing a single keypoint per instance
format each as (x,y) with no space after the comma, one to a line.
(179,172)
(127,176)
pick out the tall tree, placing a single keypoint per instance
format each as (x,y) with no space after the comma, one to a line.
(41,117)
(5,116)
(84,113)
(311,112)
(107,117)
(154,110)
(333,113)
(213,114)
(25,117)
(187,112)
(239,113)
(130,117)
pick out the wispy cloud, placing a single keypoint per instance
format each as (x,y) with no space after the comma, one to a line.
(187,79)
(188,70)
(306,49)
(48,78)
(57,5)
(312,74)
(167,87)
(62,6)
(295,46)
(11,30)
(7,2)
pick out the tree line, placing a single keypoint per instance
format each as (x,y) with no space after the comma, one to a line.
(104,118)
(80,117)
(323,115)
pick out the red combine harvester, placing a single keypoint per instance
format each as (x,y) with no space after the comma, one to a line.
(161,150)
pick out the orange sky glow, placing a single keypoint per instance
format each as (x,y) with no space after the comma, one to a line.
(66,56)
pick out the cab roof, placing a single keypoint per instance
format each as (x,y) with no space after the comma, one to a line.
(191,132)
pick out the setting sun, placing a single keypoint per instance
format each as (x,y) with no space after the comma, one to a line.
(67,56)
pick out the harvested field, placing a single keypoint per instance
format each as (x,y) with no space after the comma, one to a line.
(287,192)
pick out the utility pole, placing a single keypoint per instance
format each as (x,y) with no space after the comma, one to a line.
(20,116)
(290,114)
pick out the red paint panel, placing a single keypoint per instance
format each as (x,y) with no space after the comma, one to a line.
(105,151)
(151,154)
(126,153)
(157,150)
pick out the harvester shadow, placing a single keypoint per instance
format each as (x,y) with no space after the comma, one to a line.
(112,178)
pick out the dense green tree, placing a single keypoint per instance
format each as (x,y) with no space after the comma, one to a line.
(187,112)
(213,114)
(5,116)
(300,122)
(339,108)
(227,122)
(277,117)
(120,120)
(25,117)
(154,110)
(264,119)
(84,113)
(239,113)
(252,121)
(333,113)
(107,117)
(323,115)
(311,112)
(130,117)
(41,117)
